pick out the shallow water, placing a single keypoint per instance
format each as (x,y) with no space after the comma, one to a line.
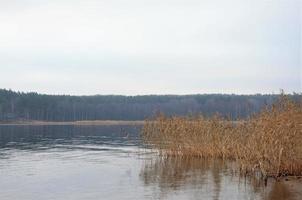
(109,162)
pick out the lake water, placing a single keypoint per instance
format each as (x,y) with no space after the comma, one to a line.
(109,162)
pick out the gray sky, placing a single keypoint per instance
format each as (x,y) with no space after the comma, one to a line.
(150,46)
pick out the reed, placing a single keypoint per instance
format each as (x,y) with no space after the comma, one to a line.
(269,142)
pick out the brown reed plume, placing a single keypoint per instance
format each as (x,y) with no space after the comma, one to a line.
(269,142)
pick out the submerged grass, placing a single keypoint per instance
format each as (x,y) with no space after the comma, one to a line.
(269,142)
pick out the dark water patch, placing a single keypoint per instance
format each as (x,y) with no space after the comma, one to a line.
(22,136)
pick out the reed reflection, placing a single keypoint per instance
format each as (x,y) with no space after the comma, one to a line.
(174,173)
(210,179)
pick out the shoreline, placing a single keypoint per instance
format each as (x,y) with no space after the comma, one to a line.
(74,123)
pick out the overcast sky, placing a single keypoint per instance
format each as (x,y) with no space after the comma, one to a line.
(150,46)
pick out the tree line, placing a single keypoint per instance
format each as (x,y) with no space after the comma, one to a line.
(34,106)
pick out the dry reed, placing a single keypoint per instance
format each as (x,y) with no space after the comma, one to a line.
(269,142)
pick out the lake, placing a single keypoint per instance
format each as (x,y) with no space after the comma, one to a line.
(110,162)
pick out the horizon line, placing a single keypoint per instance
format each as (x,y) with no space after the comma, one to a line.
(154,94)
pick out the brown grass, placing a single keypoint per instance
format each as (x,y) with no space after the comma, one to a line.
(269,142)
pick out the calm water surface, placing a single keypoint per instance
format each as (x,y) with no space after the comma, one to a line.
(109,162)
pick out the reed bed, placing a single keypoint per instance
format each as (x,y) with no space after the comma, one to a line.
(269,142)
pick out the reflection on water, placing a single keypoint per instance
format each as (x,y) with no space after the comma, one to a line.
(211,179)
(108,162)
(45,136)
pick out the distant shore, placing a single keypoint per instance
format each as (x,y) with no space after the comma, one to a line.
(75,123)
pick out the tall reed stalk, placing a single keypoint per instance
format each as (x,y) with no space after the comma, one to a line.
(269,142)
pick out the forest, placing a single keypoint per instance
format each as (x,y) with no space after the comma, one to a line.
(33,106)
